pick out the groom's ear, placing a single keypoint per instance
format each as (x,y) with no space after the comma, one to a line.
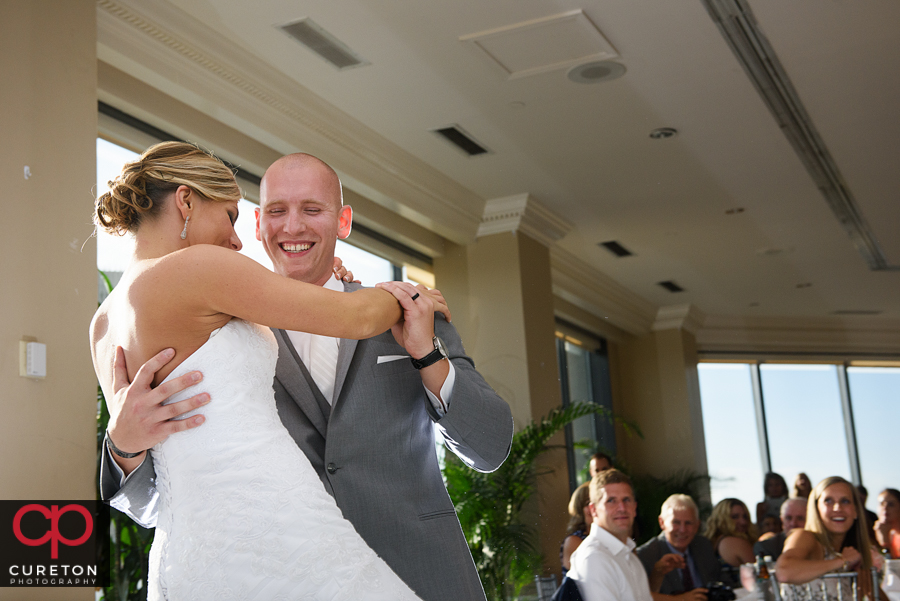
(345,221)
(256,212)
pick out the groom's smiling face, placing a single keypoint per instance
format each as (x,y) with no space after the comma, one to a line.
(301,216)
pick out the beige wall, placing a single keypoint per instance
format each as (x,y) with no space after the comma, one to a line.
(656,386)
(500,292)
(49,290)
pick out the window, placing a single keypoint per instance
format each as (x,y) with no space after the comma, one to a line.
(729,428)
(875,396)
(821,419)
(584,373)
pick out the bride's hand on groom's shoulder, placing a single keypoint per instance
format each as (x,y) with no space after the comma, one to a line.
(138,419)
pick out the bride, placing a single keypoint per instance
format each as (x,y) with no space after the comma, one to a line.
(243,514)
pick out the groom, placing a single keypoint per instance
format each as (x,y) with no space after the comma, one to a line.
(362,411)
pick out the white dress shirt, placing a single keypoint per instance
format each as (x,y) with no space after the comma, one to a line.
(302,342)
(606,569)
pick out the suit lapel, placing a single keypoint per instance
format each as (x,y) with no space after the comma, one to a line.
(292,374)
(345,355)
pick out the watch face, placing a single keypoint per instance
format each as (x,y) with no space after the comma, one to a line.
(439,345)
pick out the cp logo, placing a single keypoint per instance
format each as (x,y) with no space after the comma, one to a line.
(53,535)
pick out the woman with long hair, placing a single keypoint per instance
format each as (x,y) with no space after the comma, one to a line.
(243,513)
(730,532)
(579,524)
(887,528)
(802,486)
(835,539)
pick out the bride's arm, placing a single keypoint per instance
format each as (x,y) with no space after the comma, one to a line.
(212,279)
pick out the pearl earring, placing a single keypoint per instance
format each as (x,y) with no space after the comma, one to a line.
(184,231)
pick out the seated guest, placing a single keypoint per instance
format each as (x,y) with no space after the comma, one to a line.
(728,528)
(604,565)
(679,562)
(770,526)
(802,486)
(834,539)
(793,515)
(775,492)
(599,462)
(887,528)
(577,530)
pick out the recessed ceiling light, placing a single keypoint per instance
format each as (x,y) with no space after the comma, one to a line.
(735,211)
(663,132)
(596,71)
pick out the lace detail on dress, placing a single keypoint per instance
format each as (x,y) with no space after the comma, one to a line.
(243,514)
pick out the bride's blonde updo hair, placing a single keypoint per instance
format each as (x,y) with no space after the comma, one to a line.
(138,192)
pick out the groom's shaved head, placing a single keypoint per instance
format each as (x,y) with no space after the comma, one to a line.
(301,216)
(299,164)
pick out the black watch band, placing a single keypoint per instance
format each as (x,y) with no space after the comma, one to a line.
(433,357)
(113,448)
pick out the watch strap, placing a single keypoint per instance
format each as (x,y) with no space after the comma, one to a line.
(429,359)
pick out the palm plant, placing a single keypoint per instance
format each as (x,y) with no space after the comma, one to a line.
(489,505)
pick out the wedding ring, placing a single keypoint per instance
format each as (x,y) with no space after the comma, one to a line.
(415,296)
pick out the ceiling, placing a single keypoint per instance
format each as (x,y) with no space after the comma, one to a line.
(581,151)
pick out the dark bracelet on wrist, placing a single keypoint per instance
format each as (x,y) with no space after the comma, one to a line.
(112,447)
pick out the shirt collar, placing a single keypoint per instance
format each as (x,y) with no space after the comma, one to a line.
(334,284)
(609,541)
(686,554)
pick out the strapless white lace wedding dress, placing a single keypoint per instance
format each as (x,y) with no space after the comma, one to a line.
(243,514)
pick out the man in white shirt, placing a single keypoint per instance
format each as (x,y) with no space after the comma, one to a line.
(605,566)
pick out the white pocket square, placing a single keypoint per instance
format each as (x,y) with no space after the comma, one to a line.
(389,358)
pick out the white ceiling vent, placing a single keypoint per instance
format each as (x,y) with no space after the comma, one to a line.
(311,35)
(547,44)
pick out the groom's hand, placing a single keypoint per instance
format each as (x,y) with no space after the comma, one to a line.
(137,417)
(415,331)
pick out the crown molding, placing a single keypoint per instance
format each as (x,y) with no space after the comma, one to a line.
(170,50)
(831,335)
(522,212)
(595,292)
(685,317)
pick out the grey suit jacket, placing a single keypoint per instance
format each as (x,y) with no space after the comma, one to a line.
(374,450)
(701,551)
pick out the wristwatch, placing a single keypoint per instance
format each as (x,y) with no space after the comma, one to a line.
(439,352)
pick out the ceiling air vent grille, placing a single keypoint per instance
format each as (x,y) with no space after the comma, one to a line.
(456,136)
(311,35)
(671,286)
(616,249)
